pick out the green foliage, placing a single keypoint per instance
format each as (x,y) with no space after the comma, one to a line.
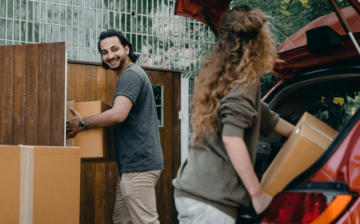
(267,82)
(336,109)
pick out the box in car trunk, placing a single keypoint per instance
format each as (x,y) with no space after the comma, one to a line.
(306,144)
(96,142)
(39,184)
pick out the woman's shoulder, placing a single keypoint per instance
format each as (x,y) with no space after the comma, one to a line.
(244,90)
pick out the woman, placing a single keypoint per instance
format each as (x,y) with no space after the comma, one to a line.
(218,177)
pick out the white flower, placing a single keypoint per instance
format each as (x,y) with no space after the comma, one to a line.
(326,114)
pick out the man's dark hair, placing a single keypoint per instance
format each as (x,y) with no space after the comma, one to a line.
(123,42)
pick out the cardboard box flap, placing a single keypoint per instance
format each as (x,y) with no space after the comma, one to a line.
(314,135)
(316,123)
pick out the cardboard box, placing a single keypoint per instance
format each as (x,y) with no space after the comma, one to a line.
(39,184)
(310,138)
(95,142)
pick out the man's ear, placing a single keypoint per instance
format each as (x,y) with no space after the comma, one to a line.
(127,49)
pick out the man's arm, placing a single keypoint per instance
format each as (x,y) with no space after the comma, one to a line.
(117,114)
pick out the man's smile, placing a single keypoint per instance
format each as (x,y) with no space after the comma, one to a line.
(113,61)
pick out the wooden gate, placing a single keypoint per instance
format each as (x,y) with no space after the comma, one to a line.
(32,94)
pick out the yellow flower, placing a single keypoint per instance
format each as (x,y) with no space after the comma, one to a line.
(287,1)
(338,100)
(322,99)
(304,1)
(283,6)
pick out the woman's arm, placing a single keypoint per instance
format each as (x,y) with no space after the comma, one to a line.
(239,156)
(283,127)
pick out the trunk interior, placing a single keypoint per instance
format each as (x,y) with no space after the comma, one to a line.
(304,94)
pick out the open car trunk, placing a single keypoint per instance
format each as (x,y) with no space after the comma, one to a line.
(296,96)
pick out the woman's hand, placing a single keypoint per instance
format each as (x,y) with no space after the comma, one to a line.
(261,201)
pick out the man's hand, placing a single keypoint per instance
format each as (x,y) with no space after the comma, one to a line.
(72,125)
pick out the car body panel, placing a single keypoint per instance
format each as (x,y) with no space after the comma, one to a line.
(298,39)
(344,164)
(299,61)
(354,161)
(192,9)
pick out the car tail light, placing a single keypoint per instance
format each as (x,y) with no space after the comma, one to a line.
(302,207)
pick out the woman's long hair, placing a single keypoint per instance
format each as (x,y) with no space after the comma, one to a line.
(244,51)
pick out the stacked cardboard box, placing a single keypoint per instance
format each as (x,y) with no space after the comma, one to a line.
(40,184)
(99,171)
(310,138)
(97,142)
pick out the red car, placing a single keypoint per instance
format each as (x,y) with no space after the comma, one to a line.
(328,191)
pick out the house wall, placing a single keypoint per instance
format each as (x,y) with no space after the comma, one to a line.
(161,39)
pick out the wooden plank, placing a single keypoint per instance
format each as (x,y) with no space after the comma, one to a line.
(176,134)
(7,94)
(111,82)
(58,94)
(99,199)
(151,75)
(110,184)
(89,194)
(98,189)
(80,91)
(45,52)
(159,78)
(160,203)
(167,150)
(100,83)
(90,91)
(159,189)
(1,66)
(19,94)
(71,82)
(32,94)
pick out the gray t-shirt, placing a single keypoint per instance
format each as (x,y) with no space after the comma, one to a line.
(137,140)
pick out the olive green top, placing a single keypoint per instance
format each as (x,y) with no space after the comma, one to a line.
(207,174)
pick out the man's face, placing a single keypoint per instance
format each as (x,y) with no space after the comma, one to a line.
(113,53)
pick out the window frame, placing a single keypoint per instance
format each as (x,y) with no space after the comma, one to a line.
(161,125)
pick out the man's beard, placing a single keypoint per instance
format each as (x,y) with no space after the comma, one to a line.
(121,64)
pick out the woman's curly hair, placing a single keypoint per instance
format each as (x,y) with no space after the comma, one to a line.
(244,51)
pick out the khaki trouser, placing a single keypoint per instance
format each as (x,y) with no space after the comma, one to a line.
(135,198)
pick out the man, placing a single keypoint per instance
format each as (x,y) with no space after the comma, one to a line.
(136,134)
